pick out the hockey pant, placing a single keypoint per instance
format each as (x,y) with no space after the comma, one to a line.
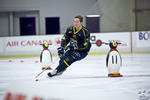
(69,58)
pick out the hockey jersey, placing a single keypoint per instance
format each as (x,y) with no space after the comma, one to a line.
(81,36)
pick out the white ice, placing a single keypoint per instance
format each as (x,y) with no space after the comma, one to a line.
(84,80)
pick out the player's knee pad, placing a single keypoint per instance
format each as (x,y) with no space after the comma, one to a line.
(68,60)
(65,63)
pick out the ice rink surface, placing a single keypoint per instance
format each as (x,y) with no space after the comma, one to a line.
(83,80)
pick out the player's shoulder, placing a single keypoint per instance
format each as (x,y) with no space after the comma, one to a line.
(85,29)
(70,28)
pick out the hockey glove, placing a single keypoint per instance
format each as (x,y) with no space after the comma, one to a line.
(73,46)
(60,52)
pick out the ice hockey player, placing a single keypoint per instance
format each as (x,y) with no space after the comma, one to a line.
(75,45)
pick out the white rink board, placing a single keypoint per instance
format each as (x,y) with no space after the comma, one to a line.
(2,45)
(122,37)
(30,45)
(141,41)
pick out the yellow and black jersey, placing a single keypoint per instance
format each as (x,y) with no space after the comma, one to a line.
(81,36)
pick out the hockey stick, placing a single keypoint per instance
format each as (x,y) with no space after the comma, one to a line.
(51,65)
(43,71)
(39,73)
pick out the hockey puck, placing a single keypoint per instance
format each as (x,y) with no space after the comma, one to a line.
(36,80)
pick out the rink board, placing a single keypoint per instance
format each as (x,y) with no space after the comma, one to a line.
(30,45)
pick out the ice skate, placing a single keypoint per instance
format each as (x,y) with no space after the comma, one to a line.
(54,73)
